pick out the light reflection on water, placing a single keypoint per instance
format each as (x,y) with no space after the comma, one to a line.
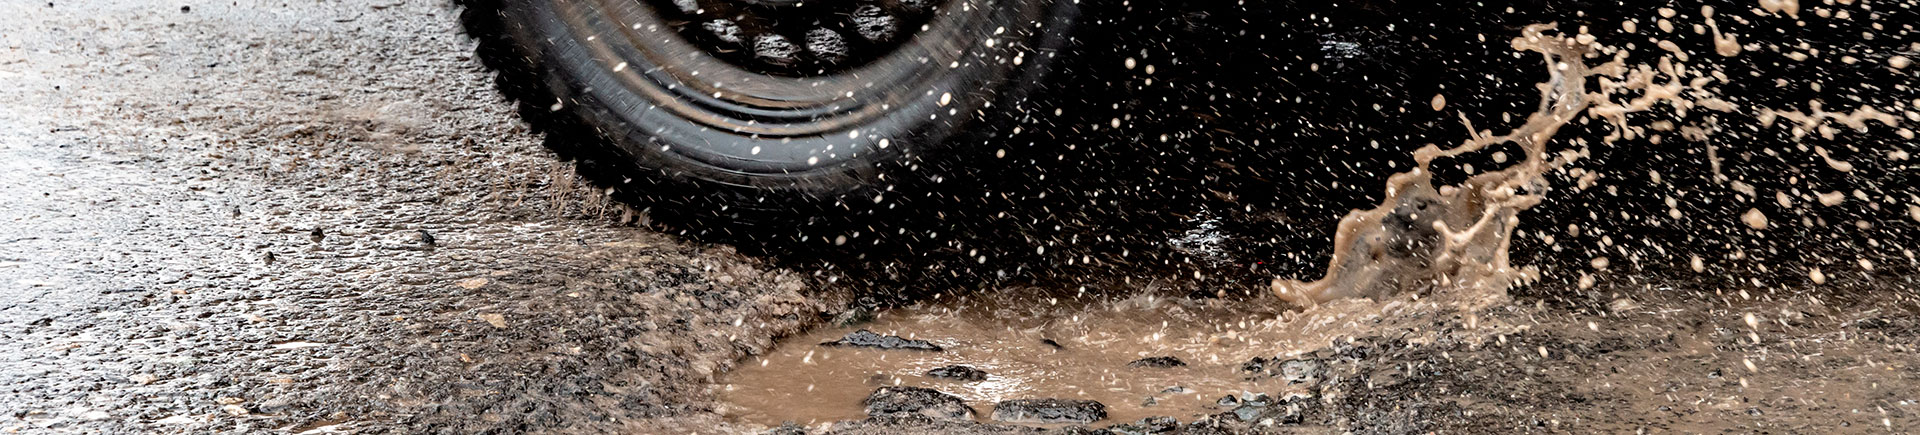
(1006,338)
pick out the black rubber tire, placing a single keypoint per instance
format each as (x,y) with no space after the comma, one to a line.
(689,136)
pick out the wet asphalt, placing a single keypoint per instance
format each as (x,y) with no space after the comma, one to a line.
(262,217)
(309,217)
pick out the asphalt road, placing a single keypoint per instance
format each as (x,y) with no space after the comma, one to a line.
(268,217)
(260,216)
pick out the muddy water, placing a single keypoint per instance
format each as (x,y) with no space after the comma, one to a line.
(1427,248)
(1454,238)
(1007,335)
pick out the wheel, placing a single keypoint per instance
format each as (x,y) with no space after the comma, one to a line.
(759,110)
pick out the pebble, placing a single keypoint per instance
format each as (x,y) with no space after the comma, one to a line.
(1301,371)
(959,373)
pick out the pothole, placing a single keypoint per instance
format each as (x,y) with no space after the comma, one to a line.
(1140,357)
(1429,250)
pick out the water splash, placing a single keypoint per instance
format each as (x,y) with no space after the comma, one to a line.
(1429,239)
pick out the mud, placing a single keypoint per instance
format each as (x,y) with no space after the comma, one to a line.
(1100,346)
(1664,362)
(1456,238)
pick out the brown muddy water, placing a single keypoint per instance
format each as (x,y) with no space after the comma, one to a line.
(806,383)
(1060,348)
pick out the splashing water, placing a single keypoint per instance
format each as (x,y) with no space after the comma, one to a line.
(1453,239)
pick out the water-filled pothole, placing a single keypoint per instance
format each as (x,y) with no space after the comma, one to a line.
(1109,351)
(1426,250)
(1152,357)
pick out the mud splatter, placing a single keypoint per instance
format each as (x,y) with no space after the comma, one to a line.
(1429,238)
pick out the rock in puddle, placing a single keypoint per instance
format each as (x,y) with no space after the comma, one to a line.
(1149,425)
(1301,371)
(1256,365)
(1248,412)
(1251,405)
(1158,362)
(959,373)
(1265,410)
(907,401)
(1042,411)
(868,339)
(1295,371)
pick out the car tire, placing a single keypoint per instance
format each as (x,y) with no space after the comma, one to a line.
(685,134)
